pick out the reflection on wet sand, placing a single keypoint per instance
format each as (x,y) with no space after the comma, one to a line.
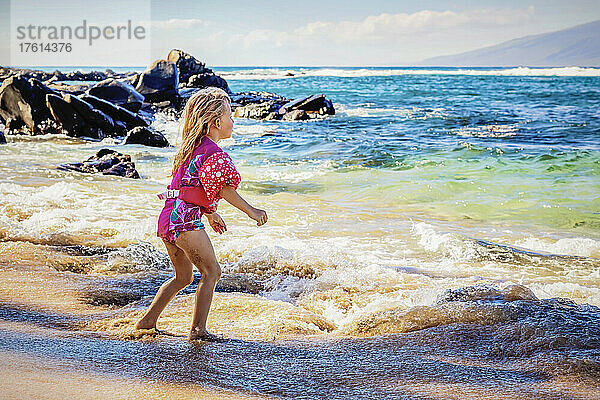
(89,348)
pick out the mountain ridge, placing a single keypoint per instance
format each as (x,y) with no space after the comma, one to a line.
(575,46)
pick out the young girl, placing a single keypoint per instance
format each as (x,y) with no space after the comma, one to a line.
(201,164)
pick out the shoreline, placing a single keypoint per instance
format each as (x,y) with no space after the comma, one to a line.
(35,330)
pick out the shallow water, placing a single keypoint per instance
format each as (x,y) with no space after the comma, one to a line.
(421,183)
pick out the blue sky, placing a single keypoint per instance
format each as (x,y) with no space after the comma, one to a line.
(354,32)
(331,33)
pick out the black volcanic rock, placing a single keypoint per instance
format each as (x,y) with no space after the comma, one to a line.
(70,89)
(119,114)
(146,136)
(72,123)
(269,106)
(187,64)
(23,105)
(105,162)
(159,82)
(295,115)
(6,72)
(2,138)
(92,116)
(317,103)
(193,73)
(254,110)
(119,93)
(208,79)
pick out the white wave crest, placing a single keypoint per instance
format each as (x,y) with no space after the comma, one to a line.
(583,247)
(284,73)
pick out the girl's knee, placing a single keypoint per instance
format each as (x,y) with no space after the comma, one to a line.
(212,272)
(185,281)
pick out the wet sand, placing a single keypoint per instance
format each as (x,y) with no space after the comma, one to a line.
(55,343)
(33,377)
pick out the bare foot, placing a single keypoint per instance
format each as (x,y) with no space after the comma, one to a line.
(205,335)
(141,324)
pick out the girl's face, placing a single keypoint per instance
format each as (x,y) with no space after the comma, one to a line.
(226,121)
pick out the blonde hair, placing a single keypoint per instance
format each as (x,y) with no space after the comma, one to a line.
(202,109)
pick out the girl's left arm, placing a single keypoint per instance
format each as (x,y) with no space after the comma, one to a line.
(232,197)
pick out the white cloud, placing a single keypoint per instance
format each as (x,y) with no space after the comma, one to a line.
(390,39)
(175,24)
(384,26)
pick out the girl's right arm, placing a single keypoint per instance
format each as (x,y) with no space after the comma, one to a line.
(233,198)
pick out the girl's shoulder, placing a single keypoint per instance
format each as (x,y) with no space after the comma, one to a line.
(205,149)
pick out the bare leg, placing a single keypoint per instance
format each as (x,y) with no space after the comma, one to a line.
(199,250)
(184,276)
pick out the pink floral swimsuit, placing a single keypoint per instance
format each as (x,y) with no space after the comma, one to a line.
(209,167)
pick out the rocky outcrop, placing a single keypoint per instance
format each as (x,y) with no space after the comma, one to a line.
(119,103)
(121,116)
(146,136)
(264,105)
(317,104)
(193,73)
(28,106)
(255,111)
(238,283)
(120,93)
(159,82)
(2,138)
(7,72)
(105,162)
(92,116)
(187,65)
(71,89)
(23,106)
(295,115)
(70,120)
(208,79)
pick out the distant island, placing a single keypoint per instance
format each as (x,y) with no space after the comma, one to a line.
(576,46)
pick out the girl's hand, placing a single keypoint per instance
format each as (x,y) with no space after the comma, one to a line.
(216,222)
(260,216)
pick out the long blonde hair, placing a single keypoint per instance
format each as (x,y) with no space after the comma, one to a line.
(201,110)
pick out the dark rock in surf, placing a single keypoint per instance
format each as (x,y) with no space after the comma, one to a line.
(257,105)
(92,116)
(193,73)
(264,105)
(70,120)
(253,97)
(121,116)
(57,76)
(23,106)
(317,104)
(208,79)
(255,111)
(118,93)
(146,136)
(295,115)
(159,81)
(70,89)
(482,292)
(187,65)
(105,162)
(2,138)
